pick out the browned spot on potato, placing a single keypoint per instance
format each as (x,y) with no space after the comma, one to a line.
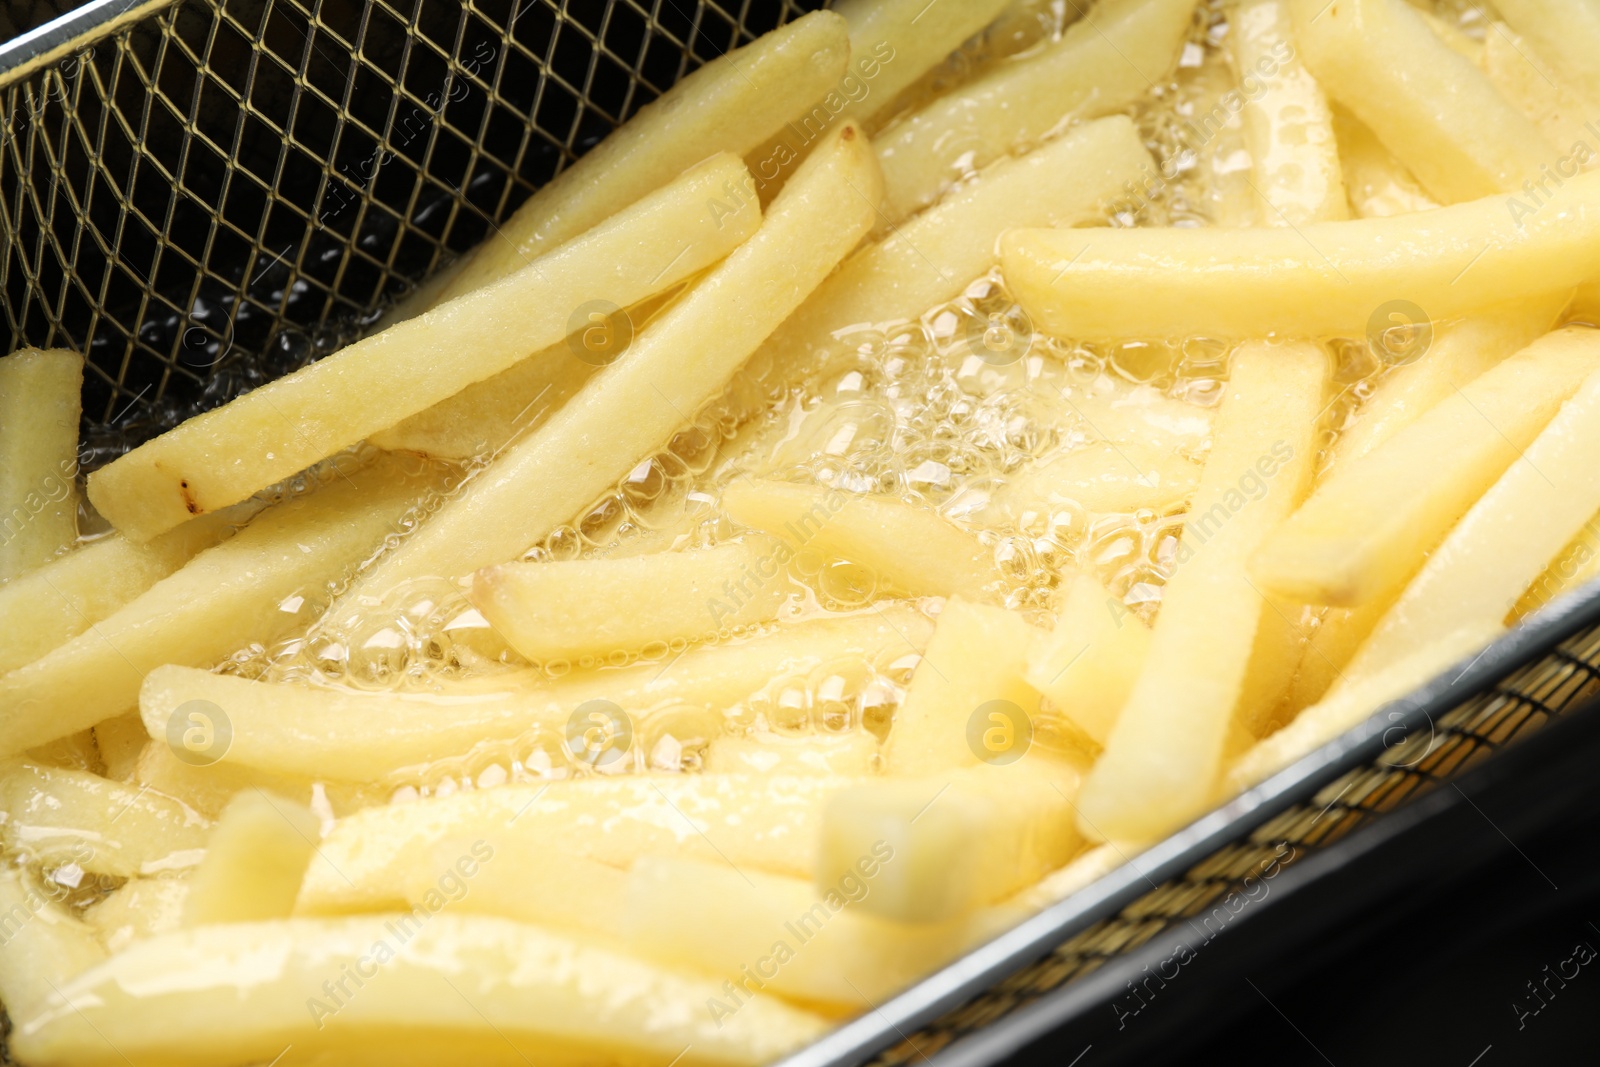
(188,498)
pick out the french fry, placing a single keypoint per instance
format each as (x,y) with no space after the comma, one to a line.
(765,823)
(224,598)
(1104,477)
(1325,280)
(1142,416)
(45,946)
(1275,657)
(1088,663)
(1366,529)
(673,367)
(1567,33)
(1429,105)
(1504,542)
(1164,754)
(1337,713)
(935,256)
(225,455)
(39,412)
(567,610)
(780,935)
(561,892)
(909,549)
(57,601)
(968,686)
(487,416)
(255,859)
(1377,184)
(139,908)
(893,43)
(1085,869)
(1010,825)
(316,733)
(60,817)
(851,755)
(1456,354)
(1288,126)
(1104,61)
(209,788)
(731,104)
(1545,96)
(393,990)
(1574,567)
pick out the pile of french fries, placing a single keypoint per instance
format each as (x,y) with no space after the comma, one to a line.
(928,456)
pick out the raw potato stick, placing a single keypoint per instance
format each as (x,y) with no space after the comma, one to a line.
(1104,477)
(444,988)
(1163,757)
(1377,184)
(935,256)
(567,610)
(39,412)
(228,453)
(45,945)
(731,104)
(1494,553)
(56,602)
(1325,280)
(1106,60)
(1287,123)
(968,687)
(851,755)
(764,822)
(947,844)
(1567,32)
(1088,664)
(220,601)
(1365,530)
(681,361)
(318,732)
(256,858)
(909,549)
(1430,106)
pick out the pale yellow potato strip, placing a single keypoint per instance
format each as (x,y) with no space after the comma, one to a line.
(1366,529)
(1105,477)
(910,549)
(44,945)
(1566,32)
(555,890)
(1377,184)
(807,946)
(225,455)
(435,988)
(56,602)
(1088,663)
(967,693)
(893,43)
(1287,123)
(220,601)
(1327,279)
(1429,105)
(763,822)
(947,844)
(1456,354)
(1165,752)
(256,858)
(732,104)
(210,788)
(60,816)
(1085,869)
(139,908)
(1545,95)
(1332,716)
(39,410)
(1575,566)
(567,610)
(1106,60)
(935,256)
(1478,573)
(680,362)
(316,732)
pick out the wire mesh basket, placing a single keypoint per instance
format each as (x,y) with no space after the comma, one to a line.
(205,195)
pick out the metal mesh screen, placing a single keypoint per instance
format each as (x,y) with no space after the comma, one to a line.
(229,190)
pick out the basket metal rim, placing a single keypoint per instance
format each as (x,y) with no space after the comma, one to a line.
(858,1040)
(30,52)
